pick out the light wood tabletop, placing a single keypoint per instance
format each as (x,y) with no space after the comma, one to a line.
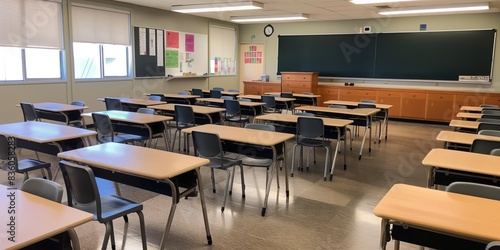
(42,132)
(259,97)
(464,124)
(57,107)
(463,161)
(295,95)
(356,112)
(222,92)
(471,108)
(135,101)
(216,100)
(293,118)
(196,108)
(170,95)
(440,211)
(355,104)
(37,218)
(136,160)
(462,138)
(132,117)
(468,115)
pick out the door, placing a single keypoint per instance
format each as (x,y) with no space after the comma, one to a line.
(251,62)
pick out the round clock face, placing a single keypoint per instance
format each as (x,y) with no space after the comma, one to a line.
(268,30)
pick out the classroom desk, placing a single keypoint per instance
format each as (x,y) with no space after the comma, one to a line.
(133,104)
(37,218)
(180,99)
(471,109)
(468,115)
(287,103)
(447,166)
(133,123)
(247,108)
(458,124)
(461,138)
(202,113)
(59,112)
(273,140)
(365,114)
(301,98)
(384,107)
(338,124)
(206,93)
(438,213)
(150,169)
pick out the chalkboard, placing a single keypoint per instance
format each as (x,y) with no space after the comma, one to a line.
(435,56)
(148,52)
(186,54)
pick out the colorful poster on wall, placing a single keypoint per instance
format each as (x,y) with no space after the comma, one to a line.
(172,39)
(189,43)
(252,56)
(142,42)
(172,58)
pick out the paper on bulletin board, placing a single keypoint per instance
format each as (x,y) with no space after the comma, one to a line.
(172,39)
(142,42)
(189,43)
(159,48)
(152,42)
(172,58)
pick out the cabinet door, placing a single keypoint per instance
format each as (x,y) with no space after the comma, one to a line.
(471,99)
(440,107)
(327,93)
(413,105)
(296,86)
(356,95)
(393,98)
(492,99)
(253,88)
(271,88)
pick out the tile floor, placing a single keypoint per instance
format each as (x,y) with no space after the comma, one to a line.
(318,214)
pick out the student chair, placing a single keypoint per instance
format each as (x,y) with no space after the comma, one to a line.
(113,103)
(208,145)
(83,194)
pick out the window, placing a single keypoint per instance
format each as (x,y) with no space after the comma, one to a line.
(102,43)
(32,43)
(222,42)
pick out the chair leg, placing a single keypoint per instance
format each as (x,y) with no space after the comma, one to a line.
(327,161)
(106,236)
(293,159)
(143,230)
(242,182)
(75,243)
(213,180)
(49,173)
(113,244)
(227,188)
(231,185)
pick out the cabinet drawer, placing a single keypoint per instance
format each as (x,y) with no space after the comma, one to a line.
(297,84)
(296,77)
(296,90)
(388,94)
(440,97)
(414,95)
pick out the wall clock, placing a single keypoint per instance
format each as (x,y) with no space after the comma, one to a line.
(268,30)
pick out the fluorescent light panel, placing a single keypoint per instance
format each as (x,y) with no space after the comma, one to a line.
(215,7)
(249,19)
(377,1)
(436,9)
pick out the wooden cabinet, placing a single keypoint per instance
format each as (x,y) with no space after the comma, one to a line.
(299,82)
(440,107)
(356,95)
(413,105)
(259,88)
(327,93)
(393,98)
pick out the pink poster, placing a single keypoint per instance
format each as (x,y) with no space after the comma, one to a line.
(189,43)
(172,39)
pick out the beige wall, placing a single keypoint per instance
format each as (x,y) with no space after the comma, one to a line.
(446,22)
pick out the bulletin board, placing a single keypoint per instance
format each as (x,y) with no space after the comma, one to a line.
(186,54)
(149,52)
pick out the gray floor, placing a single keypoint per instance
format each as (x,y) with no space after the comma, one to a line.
(318,214)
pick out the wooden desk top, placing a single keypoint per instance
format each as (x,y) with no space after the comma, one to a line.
(471,108)
(356,112)
(462,138)
(136,101)
(294,95)
(216,100)
(43,132)
(57,107)
(38,218)
(222,92)
(293,118)
(250,136)
(258,97)
(179,96)
(463,161)
(457,214)
(349,103)
(196,108)
(146,162)
(132,117)
(469,115)
(464,124)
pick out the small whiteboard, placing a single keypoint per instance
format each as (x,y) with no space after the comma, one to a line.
(186,54)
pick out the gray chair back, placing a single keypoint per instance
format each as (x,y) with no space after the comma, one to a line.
(233,91)
(244,100)
(368,101)
(198,92)
(475,189)
(113,104)
(489,132)
(269,100)
(337,106)
(259,126)
(183,93)
(102,125)
(488,126)
(215,93)
(156,97)
(29,112)
(232,107)
(495,152)
(218,88)
(305,114)
(490,112)
(286,95)
(227,97)
(184,115)
(482,146)
(488,105)
(207,145)
(309,127)
(44,188)
(78,103)
(491,116)
(8,153)
(146,111)
(494,245)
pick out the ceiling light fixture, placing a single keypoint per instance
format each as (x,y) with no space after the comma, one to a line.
(254,19)
(215,7)
(436,9)
(377,1)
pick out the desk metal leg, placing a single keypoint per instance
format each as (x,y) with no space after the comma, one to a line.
(363,142)
(336,153)
(384,231)
(286,169)
(203,206)
(171,214)
(269,182)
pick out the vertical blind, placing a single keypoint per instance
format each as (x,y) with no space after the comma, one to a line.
(31,24)
(91,25)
